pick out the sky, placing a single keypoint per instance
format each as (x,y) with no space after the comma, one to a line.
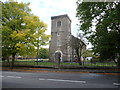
(45,9)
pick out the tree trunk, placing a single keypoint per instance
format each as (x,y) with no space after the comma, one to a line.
(118,43)
(78,56)
(79,61)
(7,59)
(118,65)
(13,60)
(118,62)
(118,56)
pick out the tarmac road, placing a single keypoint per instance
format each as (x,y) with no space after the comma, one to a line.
(57,80)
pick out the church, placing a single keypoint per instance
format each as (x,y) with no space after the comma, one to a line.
(60,36)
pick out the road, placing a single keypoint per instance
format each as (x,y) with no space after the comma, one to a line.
(57,80)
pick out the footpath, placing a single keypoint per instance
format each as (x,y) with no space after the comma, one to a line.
(112,71)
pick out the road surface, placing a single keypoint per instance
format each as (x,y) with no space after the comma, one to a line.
(57,80)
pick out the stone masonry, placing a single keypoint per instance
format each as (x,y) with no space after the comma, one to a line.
(60,36)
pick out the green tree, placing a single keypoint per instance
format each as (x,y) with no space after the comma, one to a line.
(104,16)
(21,30)
(88,53)
(44,53)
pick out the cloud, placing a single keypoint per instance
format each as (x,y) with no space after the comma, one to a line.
(47,8)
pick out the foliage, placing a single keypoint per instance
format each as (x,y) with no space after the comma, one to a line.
(44,53)
(104,18)
(21,30)
(88,53)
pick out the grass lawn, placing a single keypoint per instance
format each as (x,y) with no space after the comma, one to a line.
(43,63)
(32,62)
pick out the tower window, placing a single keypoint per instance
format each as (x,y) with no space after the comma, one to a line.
(58,23)
(58,43)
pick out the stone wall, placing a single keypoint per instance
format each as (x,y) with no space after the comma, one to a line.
(60,36)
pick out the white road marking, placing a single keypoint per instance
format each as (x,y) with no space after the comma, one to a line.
(63,80)
(14,77)
(41,79)
(18,72)
(116,84)
(23,73)
(1,76)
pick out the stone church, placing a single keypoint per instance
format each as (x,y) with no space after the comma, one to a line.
(60,36)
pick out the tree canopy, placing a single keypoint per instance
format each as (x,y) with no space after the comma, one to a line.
(21,30)
(100,22)
(44,53)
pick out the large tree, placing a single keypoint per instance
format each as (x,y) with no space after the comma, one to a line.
(21,30)
(44,53)
(104,18)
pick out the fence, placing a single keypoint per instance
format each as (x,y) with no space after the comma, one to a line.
(45,62)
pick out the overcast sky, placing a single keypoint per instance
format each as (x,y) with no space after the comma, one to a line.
(47,8)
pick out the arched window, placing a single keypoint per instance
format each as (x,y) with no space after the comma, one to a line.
(58,23)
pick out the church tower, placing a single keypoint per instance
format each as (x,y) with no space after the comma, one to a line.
(60,36)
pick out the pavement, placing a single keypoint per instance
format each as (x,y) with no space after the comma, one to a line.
(28,69)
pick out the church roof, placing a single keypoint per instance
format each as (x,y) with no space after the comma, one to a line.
(79,40)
